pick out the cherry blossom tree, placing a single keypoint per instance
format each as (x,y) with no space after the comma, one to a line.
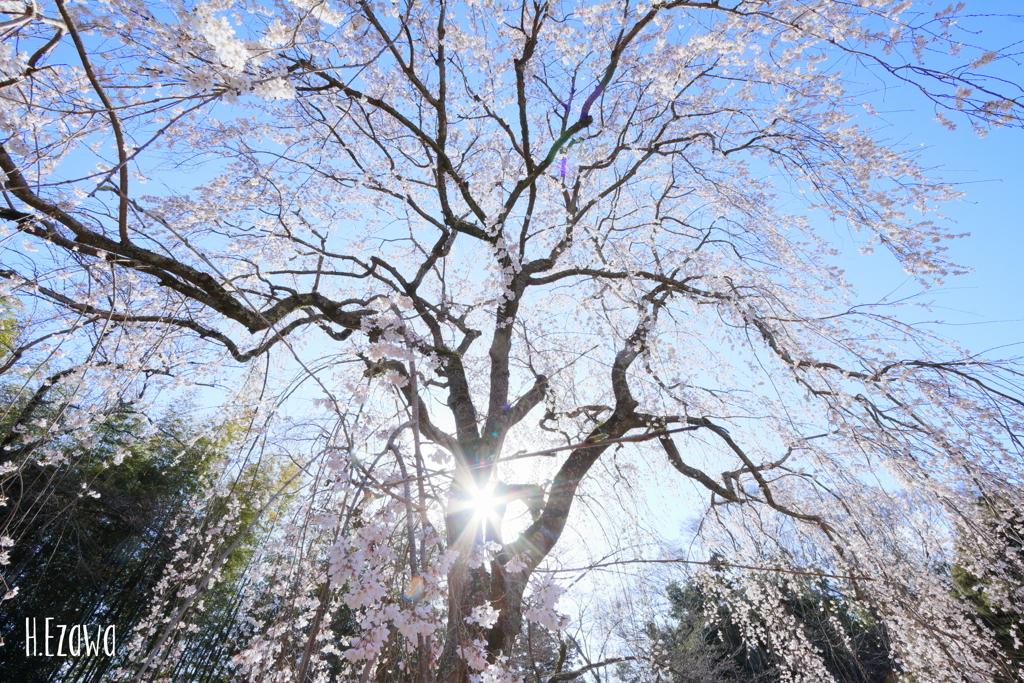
(457,260)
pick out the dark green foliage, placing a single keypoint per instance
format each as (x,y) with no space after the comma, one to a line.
(694,648)
(87,560)
(1006,625)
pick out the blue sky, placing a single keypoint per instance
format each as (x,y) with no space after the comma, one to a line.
(984,309)
(986,306)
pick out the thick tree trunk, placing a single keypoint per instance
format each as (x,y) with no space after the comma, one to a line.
(464,592)
(469,587)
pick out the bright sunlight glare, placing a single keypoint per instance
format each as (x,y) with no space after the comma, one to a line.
(484,502)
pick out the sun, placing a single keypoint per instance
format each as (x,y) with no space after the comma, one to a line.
(483,502)
(484,505)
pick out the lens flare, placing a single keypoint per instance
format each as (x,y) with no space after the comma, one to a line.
(413,590)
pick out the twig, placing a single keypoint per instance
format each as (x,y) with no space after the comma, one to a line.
(707,564)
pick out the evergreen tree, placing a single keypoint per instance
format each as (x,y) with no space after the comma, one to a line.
(703,641)
(93,534)
(994,601)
